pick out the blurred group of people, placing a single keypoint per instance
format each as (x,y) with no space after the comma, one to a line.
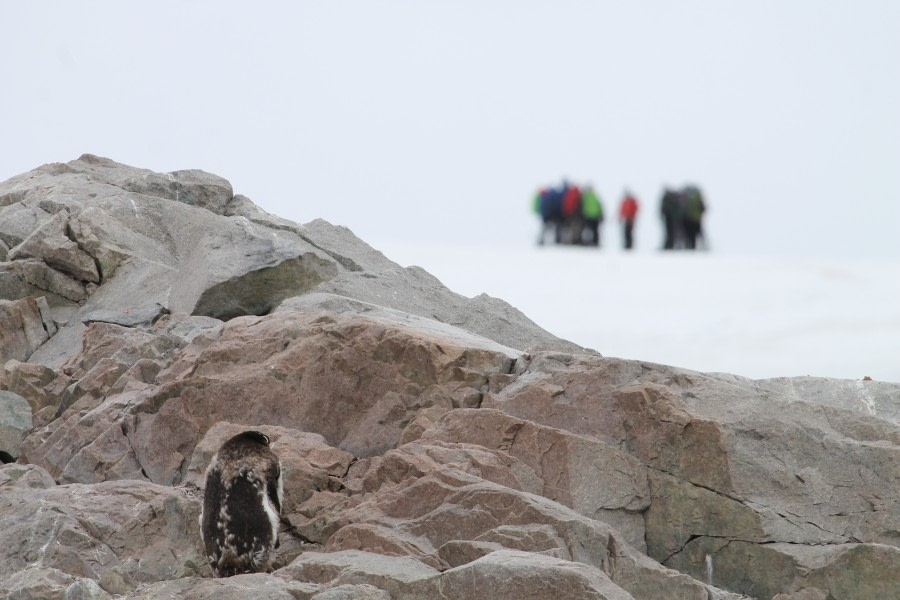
(572,214)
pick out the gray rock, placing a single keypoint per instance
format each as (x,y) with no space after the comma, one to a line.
(513,575)
(255,290)
(50,244)
(43,583)
(192,187)
(60,289)
(731,459)
(461,552)
(352,592)
(858,571)
(46,316)
(589,476)
(868,401)
(257,586)
(112,363)
(21,329)
(390,573)
(64,345)
(41,386)
(26,476)
(119,534)
(18,221)
(187,329)
(413,290)
(184,241)
(125,229)
(15,422)
(118,363)
(12,283)
(319,301)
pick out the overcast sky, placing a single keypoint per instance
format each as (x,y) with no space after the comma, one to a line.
(435,121)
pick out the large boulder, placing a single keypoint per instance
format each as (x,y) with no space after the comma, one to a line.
(731,460)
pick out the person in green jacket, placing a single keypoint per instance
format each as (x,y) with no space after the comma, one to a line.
(591,215)
(693,216)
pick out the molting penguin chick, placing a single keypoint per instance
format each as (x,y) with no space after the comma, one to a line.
(241,506)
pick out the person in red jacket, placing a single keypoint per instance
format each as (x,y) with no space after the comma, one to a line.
(571,212)
(627,215)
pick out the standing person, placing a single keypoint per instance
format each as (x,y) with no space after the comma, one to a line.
(547,204)
(571,213)
(627,215)
(693,216)
(592,215)
(669,209)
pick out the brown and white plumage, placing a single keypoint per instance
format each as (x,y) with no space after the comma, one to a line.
(241,506)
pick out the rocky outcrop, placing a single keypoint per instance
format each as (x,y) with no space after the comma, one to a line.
(96,237)
(432,445)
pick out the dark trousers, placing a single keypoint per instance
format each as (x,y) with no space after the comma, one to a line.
(592,226)
(691,233)
(550,225)
(629,233)
(669,242)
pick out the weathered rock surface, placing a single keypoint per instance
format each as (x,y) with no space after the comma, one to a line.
(433,446)
(15,423)
(37,384)
(25,476)
(51,584)
(117,534)
(50,243)
(184,242)
(22,329)
(595,479)
(239,587)
(504,575)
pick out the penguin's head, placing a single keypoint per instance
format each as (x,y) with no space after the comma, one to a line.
(252,436)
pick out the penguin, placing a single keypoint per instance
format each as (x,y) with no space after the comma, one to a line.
(242,506)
